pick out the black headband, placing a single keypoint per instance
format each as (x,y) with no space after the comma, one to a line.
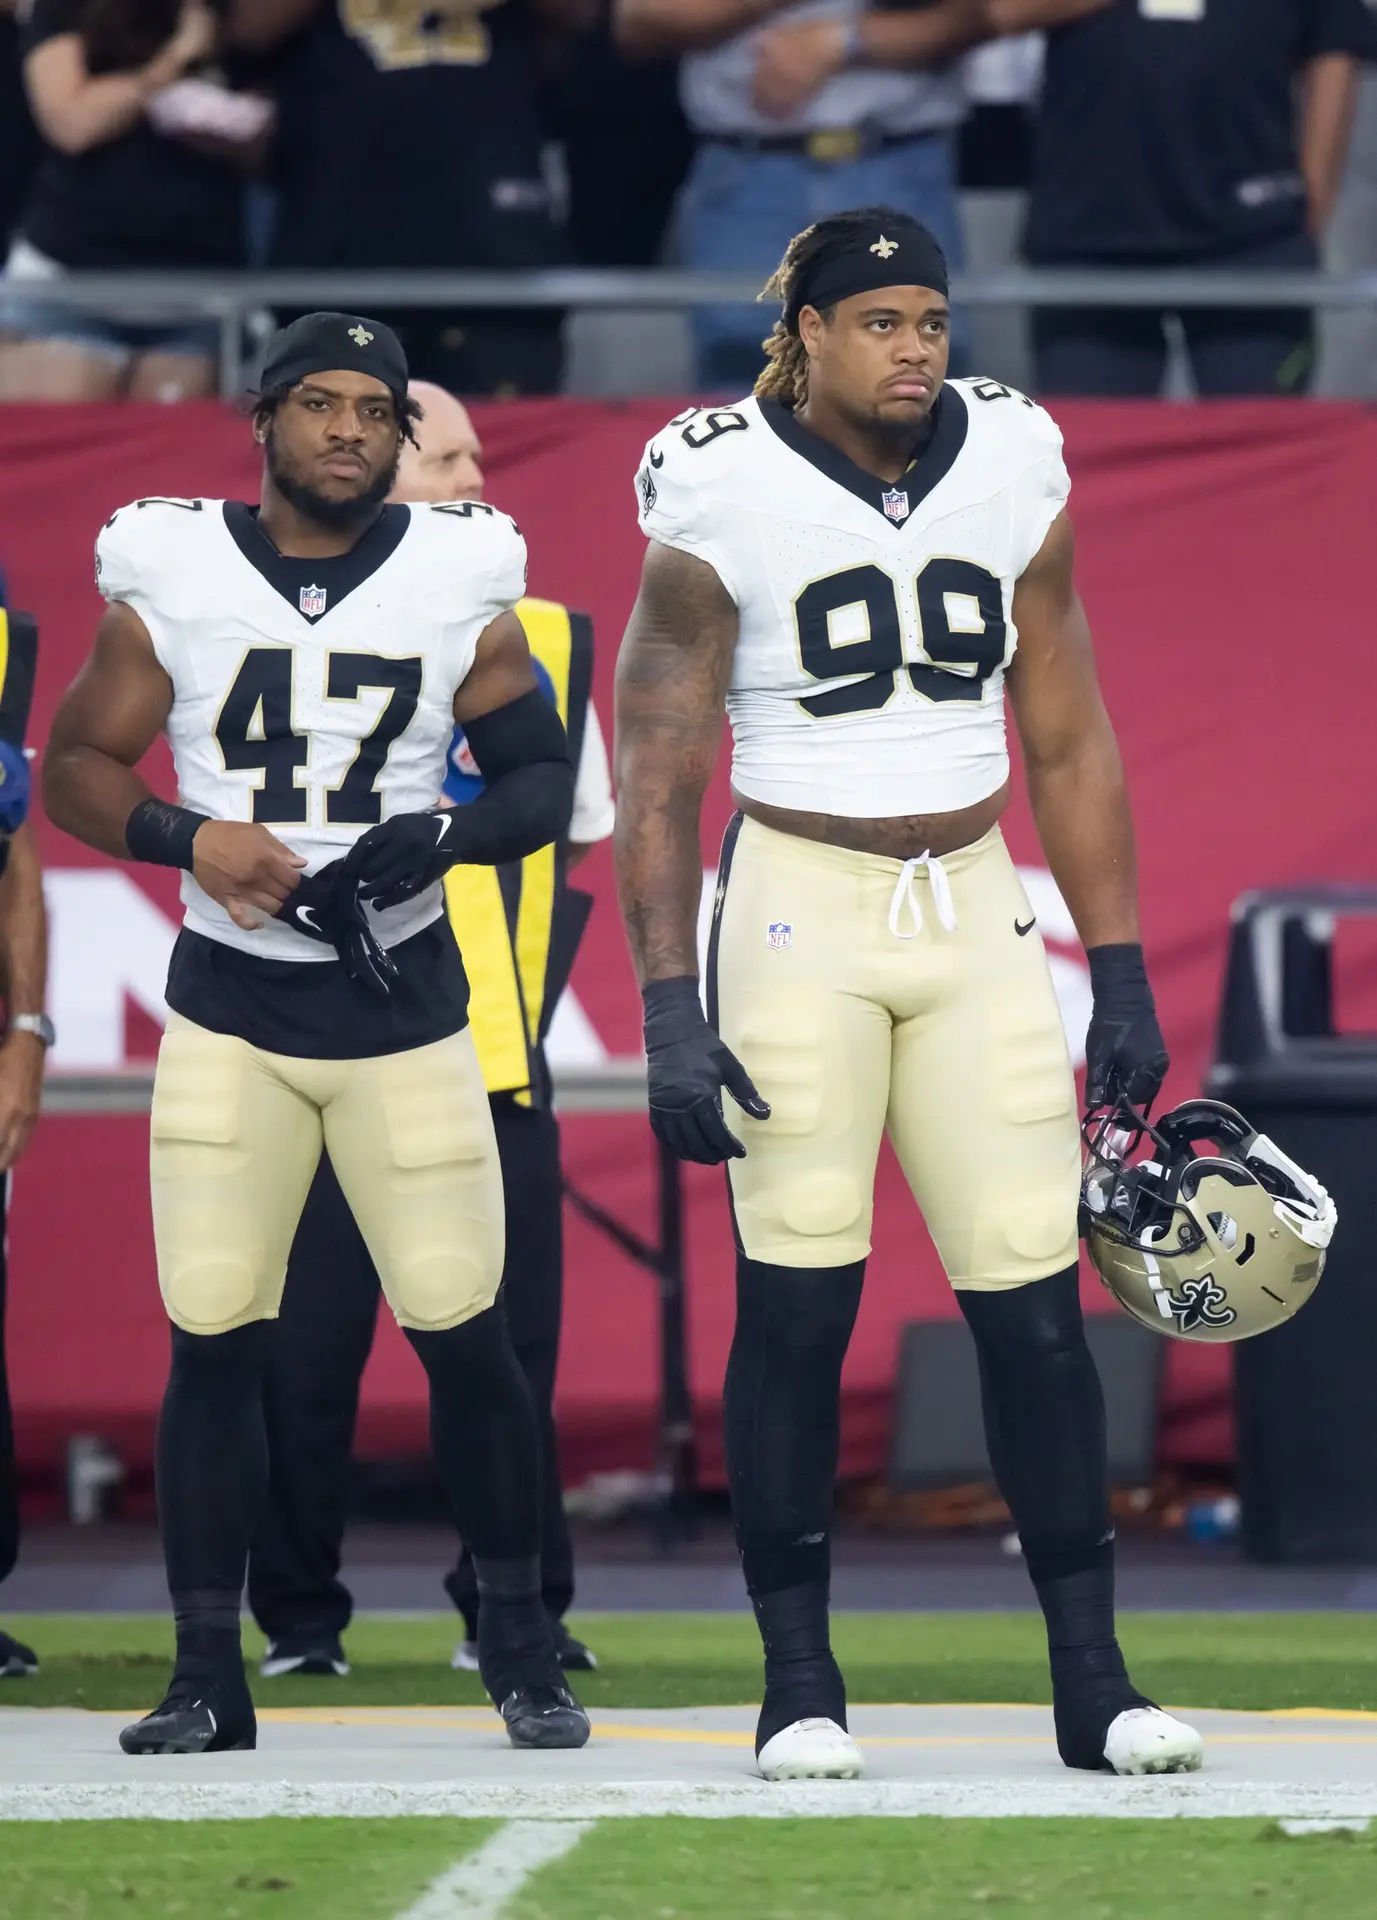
(902,254)
(321,342)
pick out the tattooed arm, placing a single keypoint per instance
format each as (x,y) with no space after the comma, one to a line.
(672,678)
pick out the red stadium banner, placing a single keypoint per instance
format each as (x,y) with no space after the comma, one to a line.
(1223,558)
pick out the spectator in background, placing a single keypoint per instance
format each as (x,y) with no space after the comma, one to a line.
(411,134)
(626,147)
(113,191)
(18,135)
(802,110)
(1186,133)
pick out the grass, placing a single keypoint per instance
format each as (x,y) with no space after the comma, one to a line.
(225,1869)
(1251,1660)
(939,1870)
(698,1870)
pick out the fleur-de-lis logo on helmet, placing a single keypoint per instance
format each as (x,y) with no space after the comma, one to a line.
(1201,1303)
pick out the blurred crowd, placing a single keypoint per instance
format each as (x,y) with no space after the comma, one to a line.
(507,134)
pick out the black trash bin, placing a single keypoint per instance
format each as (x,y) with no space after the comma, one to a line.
(1306,1393)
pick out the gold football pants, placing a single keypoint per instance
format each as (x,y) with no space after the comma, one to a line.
(863,995)
(235,1140)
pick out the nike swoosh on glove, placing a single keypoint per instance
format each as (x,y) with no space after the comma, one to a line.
(1125,1055)
(401,857)
(688,1068)
(326,907)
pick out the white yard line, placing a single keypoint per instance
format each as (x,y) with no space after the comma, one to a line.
(479,1886)
(1193,1797)
(1295,1828)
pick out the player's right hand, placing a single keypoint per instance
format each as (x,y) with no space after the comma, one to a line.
(326,907)
(245,868)
(688,1067)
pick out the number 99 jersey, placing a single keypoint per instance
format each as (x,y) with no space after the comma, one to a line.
(876,621)
(313,696)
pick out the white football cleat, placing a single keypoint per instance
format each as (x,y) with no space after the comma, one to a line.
(1146,1740)
(811,1750)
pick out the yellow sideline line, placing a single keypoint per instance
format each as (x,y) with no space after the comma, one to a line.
(480,1721)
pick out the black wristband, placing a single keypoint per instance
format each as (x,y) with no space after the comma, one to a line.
(1114,968)
(672,1007)
(162,834)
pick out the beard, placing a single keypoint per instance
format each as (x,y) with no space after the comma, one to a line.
(348,515)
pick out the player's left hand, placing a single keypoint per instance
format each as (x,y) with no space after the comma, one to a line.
(401,857)
(793,61)
(1125,1055)
(22,1059)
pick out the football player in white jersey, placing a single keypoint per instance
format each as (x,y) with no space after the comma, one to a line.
(854,562)
(308,661)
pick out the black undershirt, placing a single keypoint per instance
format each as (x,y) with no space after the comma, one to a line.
(1170,137)
(139,199)
(312,1010)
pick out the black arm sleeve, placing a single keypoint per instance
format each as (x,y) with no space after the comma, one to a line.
(522,752)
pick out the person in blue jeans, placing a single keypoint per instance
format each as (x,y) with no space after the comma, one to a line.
(801,110)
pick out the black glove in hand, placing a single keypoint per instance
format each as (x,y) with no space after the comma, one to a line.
(689,1067)
(1125,1055)
(326,907)
(401,857)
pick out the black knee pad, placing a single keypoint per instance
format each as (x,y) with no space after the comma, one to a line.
(797,1309)
(206,1358)
(465,1353)
(1043,1317)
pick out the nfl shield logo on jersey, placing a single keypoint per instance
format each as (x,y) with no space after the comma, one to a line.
(896,504)
(312,601)
(779,934)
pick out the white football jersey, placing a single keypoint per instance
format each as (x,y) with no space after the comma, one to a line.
(314,696)
(876,621)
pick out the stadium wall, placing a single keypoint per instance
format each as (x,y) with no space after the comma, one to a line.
(1224,557)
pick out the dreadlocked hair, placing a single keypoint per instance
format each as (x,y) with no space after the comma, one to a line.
(786,375)
(262,406)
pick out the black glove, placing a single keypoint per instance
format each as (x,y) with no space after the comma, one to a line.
(401,857)
(689,1066)
(1125,1055)
(326,907)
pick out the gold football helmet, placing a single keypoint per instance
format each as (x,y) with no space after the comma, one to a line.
(1214,1246)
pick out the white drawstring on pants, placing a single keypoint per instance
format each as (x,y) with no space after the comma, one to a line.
(904,896)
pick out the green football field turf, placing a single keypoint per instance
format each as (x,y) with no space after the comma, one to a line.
(698,1870)
(1249,1660)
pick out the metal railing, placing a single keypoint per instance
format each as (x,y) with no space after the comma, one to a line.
(229,299)
(615,1086)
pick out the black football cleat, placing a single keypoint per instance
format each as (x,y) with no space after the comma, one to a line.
(17,1661)
(198,1716)
(306,1650)
(544,1717)
(572,1654)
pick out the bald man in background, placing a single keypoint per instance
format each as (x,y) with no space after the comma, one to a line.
(325,1330)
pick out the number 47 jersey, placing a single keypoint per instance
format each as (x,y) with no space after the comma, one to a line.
(876,620)
(313,696)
